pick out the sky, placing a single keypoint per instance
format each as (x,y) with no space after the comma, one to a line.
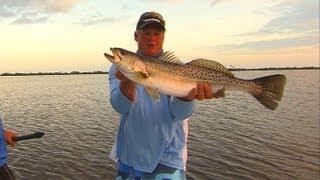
(72,35)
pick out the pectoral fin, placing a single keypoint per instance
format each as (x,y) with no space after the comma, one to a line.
(140,67)
(153,93)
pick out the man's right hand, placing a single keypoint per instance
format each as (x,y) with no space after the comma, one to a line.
(127,87)
(8,135)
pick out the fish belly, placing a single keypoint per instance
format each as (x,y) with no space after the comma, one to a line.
(173,87)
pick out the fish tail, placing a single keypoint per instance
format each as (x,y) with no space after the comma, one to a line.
(272,88)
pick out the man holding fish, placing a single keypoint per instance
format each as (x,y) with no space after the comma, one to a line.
(154,93)
(152,135)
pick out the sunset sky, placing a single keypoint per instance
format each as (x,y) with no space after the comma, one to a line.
(72,35)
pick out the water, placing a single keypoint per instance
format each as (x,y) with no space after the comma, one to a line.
(230,138)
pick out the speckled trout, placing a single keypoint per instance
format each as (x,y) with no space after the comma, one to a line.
(170,76)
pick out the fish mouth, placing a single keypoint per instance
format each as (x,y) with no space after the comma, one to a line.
(109,57)
(116,58)
(116,53)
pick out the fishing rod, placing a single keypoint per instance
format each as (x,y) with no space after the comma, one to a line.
(37,134)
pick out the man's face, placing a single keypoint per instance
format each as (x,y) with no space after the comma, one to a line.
(150,40)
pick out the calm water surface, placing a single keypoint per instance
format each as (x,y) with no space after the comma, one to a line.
(230,138)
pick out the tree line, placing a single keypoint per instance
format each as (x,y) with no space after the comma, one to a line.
(52,73)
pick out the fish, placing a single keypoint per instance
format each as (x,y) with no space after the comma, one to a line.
(169,75)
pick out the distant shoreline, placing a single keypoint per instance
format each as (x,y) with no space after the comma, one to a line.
(104,72)
(267,69)
(52,73)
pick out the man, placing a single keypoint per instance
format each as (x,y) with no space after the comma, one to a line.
(152,136)
(5,138)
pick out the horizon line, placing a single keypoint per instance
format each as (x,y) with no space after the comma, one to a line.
(106,72)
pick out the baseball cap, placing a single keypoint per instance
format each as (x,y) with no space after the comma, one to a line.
(149,18)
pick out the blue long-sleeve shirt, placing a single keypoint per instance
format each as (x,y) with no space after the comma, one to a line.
(150,132)
(3,147)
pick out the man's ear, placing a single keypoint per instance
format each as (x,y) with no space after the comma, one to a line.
(135,35)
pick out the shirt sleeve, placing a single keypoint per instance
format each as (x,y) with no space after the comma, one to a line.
(181,110)
(119,101)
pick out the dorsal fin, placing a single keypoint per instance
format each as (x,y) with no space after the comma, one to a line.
(170,57)
(210,64)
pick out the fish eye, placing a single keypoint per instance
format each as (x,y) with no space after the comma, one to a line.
(123,53)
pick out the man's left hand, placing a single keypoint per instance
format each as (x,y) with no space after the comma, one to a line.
(201,92)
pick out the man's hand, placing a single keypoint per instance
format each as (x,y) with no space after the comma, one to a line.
(127,87)
(8,135)
(202,91)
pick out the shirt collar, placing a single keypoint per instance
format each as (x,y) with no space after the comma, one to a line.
(155,56)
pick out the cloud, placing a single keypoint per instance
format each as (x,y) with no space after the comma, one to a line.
(297,16)
(297,24)
(215,2)
(17,9)
(291,15)
(30,20)
(267,45)
(98,20)
(9,8)
(58,5)
(5,12)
